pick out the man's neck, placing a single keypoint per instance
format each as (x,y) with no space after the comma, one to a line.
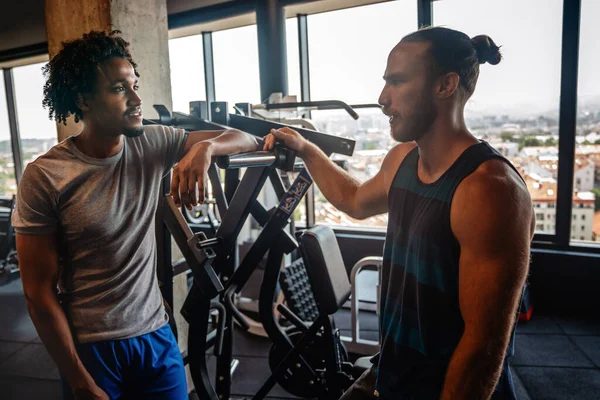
(94,144)
(440,148)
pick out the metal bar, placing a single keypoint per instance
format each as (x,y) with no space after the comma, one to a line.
(246,160)
(200,15)
(209,68)
(197,343)
(164,265)
(286,241)
(240,206)
(567,119)
(425,13)
(204,275)
(24,52)
(288,359)
(15,139)
(268,236)
(277,183)
(304,61)
(272,52)
(217,189)
(319,105)
(328,143)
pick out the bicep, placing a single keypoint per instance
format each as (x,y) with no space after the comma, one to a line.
(38,263)
(494,238)
(371,197)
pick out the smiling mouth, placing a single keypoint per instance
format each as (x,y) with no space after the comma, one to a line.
(135,114)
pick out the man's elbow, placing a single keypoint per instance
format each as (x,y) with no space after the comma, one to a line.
(40,302)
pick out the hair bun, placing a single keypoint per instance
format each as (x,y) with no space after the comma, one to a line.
(487,51)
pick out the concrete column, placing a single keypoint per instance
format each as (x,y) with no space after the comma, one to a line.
(143,24)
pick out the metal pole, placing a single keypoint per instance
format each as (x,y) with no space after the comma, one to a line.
(567,119)
(13,121)
(272,55)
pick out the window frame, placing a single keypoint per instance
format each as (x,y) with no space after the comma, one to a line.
(560,240)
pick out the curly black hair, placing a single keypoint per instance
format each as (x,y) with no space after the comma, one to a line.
(73,71)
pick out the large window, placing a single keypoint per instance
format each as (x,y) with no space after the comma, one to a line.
(515,105)
(187,71)
(586,184)
(348,52)
(37,131)
(237,79)
(8,184)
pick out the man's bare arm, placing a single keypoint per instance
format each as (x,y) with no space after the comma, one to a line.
(38,263)
(491,218)
(358,200)
(229,141)
(199,148)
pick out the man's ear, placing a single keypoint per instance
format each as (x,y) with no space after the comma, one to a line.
(448,84)
(82,103)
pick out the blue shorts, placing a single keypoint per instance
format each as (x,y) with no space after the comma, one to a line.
(144,367)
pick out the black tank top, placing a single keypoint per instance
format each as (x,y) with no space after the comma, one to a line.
(420,319)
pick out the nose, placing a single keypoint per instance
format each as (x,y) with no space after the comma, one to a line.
(384,99)
(134,99)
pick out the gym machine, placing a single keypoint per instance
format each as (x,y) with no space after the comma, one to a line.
(323,380)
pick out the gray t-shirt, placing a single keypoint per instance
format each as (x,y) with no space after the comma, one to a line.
(103,211)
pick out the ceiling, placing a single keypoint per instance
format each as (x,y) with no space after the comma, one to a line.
(22,22)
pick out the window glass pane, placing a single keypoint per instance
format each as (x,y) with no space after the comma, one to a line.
(237,79)
(586,184)
(515,105)
(373,140)
(293,57)
(348,52)
(187,71)
(37,131)
(8,184)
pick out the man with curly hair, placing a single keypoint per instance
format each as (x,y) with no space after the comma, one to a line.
(85,225)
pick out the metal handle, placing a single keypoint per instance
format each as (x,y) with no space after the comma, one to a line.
(237,315)
(246,160)
(218,347)
(320,105)
(281,158)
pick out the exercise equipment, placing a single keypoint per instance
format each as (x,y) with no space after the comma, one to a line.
(9,263)
(273,239)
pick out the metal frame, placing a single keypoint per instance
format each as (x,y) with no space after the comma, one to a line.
(24,52)
(11,107)
(209,68)
(567,119)
(272,51)
(425,13)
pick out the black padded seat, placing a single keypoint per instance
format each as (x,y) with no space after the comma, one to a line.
(325,268)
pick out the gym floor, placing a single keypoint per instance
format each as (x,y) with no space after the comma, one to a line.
(555,358)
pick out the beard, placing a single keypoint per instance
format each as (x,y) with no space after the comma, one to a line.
(414,124)
(133,132)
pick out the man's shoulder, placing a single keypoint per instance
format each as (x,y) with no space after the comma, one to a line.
(494,188)
(396,155)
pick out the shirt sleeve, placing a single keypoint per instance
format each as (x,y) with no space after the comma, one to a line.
(168,141)
(35,211)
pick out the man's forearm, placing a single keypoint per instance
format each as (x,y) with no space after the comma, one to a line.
(54,331)
(338,187)
(473,372)
(231,141)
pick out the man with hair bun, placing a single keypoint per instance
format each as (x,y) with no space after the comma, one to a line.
(85,220)
(461,221)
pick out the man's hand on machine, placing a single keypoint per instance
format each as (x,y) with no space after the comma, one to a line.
(291,139)
(192,169)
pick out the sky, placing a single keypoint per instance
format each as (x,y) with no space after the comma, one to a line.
(348,51)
